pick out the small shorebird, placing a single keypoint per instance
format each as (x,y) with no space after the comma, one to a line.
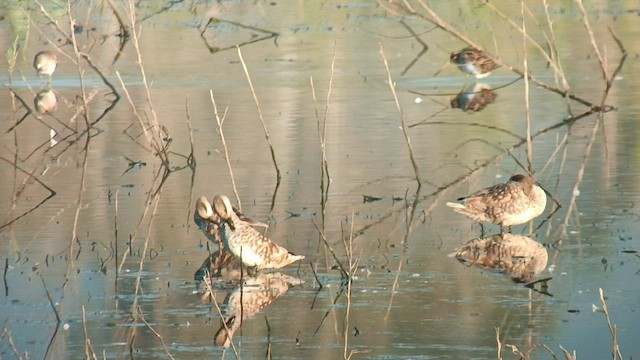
(254,249)
(513,203)
(45,63)
(474,62)
(209,222)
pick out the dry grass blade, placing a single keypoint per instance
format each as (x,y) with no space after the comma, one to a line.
(612,328)
(392,87)
(345,273)
(7,333)
(88,349)
(141,318)
(499,343)
(264,125)
(224,323)
(220,122)
(526,91)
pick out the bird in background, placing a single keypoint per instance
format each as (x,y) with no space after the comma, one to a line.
(254,249)
(45,63)
(515,202)
(474,61)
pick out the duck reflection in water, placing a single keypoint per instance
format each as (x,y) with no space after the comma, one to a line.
(518,256)
(474,99)
(248,299)
(45,102)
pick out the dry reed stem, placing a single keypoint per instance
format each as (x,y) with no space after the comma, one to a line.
(264,125)
(567,355)
(220,122)
(55,312)
(407,139)
(393,289)
(7,333)
(576,187)
(498,342)
(344,272)
(76,50)
(527,99)
(30,175)
(554,51)
(587,26)
(156,137)
(353,265)
(269,351)
(612,328)
(115,225)
(79,200)
(324,166)
(141,317)
(323,137)
(219,310)
(88,349)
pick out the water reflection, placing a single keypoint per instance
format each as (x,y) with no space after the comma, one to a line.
(518,256)
(474,98)
(46,102)
(247,299)
(219,265)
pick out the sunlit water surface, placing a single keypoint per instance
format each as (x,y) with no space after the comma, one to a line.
(408,299)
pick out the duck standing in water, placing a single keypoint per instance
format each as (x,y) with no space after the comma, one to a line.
(45,63)
(515,202)
(254,249)
(474,62)
(209,222)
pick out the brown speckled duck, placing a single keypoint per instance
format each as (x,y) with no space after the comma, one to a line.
(209,222)
(474,62)
(45,63)
(515,202)
(254,249)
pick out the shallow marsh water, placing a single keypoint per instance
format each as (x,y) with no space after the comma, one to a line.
(409,298)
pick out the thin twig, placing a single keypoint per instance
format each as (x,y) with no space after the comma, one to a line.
(264,125)
(392,87)
(220,121)
(612,328)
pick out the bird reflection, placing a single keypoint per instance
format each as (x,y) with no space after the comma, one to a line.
(520,257)
(474,99)
(219,265)
(248,299)
(46,102)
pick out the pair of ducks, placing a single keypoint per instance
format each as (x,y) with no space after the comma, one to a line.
(232,231)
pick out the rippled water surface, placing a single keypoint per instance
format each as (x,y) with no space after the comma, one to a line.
(98,247)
